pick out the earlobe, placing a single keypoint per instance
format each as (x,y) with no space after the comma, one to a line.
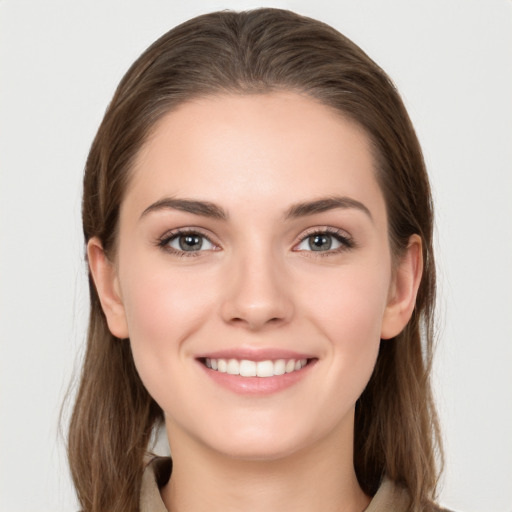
(106,281)
(403,291)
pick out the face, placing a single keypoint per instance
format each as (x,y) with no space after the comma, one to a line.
(253,239)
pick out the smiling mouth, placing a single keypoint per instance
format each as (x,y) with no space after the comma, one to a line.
(248,368)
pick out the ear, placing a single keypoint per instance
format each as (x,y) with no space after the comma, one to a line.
(403,290)
(106,281)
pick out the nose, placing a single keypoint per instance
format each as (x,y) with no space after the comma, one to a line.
(258,294)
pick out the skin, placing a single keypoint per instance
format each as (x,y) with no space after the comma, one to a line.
(257,284)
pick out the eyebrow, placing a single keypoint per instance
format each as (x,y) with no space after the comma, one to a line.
(203,208)
(211,210)
(325,204)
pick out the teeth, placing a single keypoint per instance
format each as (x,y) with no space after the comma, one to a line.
(246,368)
(265,369)
(222,365)
(300,363)
(279,367)
(233,367)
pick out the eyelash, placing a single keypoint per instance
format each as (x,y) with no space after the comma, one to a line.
(347,243)
(339,235)
(164,241)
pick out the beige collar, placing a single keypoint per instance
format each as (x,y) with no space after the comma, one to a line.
(389,497)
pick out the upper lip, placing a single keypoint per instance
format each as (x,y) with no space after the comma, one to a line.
(254,354)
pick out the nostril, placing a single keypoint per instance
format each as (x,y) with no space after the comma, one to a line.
(255,322)
(255,310)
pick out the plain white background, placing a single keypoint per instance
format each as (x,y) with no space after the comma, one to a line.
(60,62)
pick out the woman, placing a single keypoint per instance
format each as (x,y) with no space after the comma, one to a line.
(258,224)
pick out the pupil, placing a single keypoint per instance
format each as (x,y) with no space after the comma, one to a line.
(190,242)
(320,242)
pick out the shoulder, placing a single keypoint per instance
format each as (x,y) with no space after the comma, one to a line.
(436,508)
(389,496)
(156,474)
(393,497)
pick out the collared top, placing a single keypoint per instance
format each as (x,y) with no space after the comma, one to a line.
(389,497)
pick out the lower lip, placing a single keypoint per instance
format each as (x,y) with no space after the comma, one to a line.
(258,385)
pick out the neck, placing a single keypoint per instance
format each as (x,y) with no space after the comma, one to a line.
(320,477)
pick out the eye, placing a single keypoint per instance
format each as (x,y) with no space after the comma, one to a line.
(325,241)
(186,242)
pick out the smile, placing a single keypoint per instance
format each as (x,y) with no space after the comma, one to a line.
(248,368)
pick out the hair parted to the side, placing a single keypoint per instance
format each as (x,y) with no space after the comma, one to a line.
(396,427)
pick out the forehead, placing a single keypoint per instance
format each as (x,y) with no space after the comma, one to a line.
(270,147)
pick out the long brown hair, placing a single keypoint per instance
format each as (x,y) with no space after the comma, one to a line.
(396,428)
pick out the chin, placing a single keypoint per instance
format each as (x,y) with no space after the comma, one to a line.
(257,442)
(261,450)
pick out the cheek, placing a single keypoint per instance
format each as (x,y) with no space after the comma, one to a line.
(350,303)
(163,302)
(348,309)
(163,308)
